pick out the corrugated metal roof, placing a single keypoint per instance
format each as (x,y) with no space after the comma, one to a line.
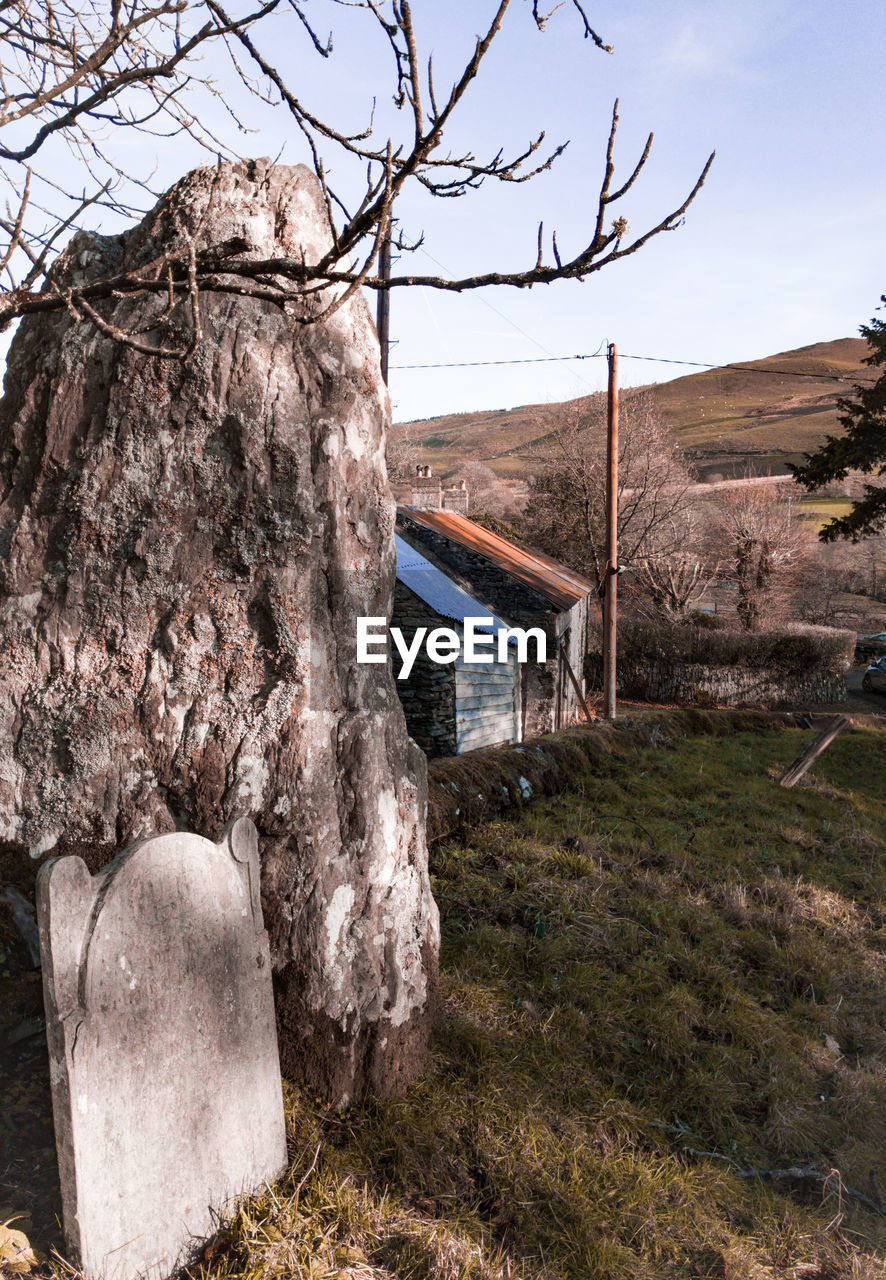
(561,586)
(432,585)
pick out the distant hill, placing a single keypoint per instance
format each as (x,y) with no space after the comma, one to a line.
(731,422)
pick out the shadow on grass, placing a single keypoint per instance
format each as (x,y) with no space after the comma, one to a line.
(663,1045)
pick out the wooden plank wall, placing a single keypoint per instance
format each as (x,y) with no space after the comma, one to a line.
(487,703)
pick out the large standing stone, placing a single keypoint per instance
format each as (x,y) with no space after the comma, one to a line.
(184,551)
(163,1054)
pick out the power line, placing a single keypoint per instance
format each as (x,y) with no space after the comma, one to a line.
(482,364)
(507,319)
(601,354)
(486,303)
(597,355)
(742,368)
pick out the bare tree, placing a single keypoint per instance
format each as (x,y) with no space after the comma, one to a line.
(401,455)
(823,576)
(488,493)
(77,72)
(566,513)
(762,542)
(873,559)
(74,74)
(675,571)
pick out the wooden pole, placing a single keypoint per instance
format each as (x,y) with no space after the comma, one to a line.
(610,586)
(575,685)
(383,306)
(813,751)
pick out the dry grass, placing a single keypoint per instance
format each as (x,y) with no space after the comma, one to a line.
(720,416)
(654,983)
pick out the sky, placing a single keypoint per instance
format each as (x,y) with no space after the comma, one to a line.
(784,246)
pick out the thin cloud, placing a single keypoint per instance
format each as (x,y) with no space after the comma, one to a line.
(709,42)
(689,51)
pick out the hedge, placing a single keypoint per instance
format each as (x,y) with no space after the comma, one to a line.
(786,651)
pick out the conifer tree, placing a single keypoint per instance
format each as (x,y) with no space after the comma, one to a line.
(861,448)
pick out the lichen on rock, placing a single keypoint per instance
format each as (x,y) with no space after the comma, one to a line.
(185,547)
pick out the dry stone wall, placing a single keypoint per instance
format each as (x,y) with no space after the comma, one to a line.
(658,680)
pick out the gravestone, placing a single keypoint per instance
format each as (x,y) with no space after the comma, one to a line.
(166,1085)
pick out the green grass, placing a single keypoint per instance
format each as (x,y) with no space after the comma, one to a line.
(825,506)
(652,984)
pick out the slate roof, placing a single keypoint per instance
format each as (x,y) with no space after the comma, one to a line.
(562,587)
(439,592)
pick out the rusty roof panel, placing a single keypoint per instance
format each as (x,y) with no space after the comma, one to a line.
(562,587)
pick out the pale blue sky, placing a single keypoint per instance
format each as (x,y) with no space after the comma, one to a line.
(784,246)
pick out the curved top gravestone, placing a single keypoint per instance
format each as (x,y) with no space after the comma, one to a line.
(165,1074)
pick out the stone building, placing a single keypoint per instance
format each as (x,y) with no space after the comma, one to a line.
(428,493)
(525,588)
(454,706)
(427,489)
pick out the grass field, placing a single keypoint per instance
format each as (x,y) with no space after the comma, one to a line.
(817,511)
(662,1040)
(825,506)
(663,1045)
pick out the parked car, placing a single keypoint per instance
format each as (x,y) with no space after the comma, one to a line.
(870,646)
(874,679)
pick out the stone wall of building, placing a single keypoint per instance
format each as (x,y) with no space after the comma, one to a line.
(500,591)
(539,690)
(428,695)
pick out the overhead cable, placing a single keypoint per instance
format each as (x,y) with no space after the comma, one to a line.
(598,355)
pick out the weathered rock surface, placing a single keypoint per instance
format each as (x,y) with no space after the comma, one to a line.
(163,1054)
(184,551)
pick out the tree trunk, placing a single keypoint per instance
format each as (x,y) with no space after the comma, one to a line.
(185,548)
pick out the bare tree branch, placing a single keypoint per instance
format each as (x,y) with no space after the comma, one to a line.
(77,72)
(566,514)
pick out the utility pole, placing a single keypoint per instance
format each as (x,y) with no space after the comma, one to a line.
(383,309)
(610,586)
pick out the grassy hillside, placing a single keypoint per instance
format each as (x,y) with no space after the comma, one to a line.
(724,416)
(662,1052)
(662,1044)
(728,420)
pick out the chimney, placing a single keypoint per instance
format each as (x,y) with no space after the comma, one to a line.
(456,498)
(427,490)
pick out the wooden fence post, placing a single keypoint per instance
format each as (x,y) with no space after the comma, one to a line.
(814,750)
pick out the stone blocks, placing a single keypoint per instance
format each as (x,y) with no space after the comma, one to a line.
(166,1083)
